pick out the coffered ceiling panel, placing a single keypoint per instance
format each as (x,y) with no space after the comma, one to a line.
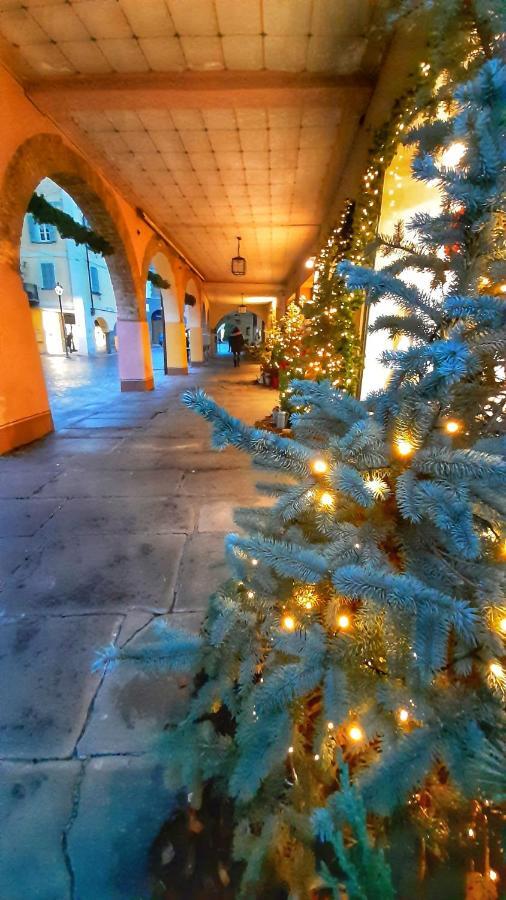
(93,36)
(216,117)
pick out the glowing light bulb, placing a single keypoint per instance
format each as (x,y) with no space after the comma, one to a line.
(453,154)
(501,625)
(250,595)
(355,733)
(404,447)
(309,264)
(254,562)
(290,749)
(330,726)
(492,874)
(326,499)
(343,621)
(319,466)
(288,623)
(496,670)
(452,426)
(471,832)
(316,757)
(403,715)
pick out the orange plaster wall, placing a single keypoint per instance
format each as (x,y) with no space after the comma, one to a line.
(24,406)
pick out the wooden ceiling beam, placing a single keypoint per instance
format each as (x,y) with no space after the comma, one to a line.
(198,90)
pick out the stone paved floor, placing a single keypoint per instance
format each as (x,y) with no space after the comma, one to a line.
(116,519)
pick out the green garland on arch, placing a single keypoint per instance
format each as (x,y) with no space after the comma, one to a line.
(45,214)
(157,281)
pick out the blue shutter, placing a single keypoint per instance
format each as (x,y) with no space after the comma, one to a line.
(48,276)
(95,283)
(33,228)
(53,233)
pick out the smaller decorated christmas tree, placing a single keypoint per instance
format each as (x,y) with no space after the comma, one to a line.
(288,352)
(331,342)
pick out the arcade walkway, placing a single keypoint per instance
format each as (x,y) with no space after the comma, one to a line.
(114,520)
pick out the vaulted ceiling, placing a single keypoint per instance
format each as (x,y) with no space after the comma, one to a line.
(217,117)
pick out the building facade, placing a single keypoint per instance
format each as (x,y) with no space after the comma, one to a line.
(87,302)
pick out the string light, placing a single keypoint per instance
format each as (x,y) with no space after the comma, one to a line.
(355,733)
(452,427)
(404,447)
(403,715)
(290,749)
(377,486)
(316,757)
(492,874)
(319,466)
(326,499)
(343,621)
(501,625)
(254,562)
(453,154)
(250,595)
(471,832)
(330,726)
(288,623)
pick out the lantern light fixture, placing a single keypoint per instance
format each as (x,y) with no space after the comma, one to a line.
(238,264)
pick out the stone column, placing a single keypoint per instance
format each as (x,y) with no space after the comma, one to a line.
(196,346)
(177,360)
(134,355)
(24,405)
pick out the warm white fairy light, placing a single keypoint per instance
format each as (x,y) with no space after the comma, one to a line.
(453,154)
(343,622)
(452,426)
(254,562)
(326,500)
(319,466)
(288,623)
(403,715)
(404,447)
(355,733)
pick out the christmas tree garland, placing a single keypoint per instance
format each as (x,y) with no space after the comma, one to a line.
(45,213)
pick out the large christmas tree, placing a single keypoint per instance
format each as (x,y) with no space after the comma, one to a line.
(350,677)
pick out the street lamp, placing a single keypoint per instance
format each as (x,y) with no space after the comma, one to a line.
(59,291)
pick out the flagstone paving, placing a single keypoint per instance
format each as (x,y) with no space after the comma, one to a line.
(115,520)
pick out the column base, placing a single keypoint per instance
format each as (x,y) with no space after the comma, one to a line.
(200,362)
(25,431)
(137,384)
(177,371)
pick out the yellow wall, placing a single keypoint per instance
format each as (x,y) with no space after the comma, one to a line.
(403,196)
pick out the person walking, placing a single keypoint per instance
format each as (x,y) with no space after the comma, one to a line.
(236,343)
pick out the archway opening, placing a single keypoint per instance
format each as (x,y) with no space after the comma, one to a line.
(72,306)
(249,323)
(26,414)
(162,309)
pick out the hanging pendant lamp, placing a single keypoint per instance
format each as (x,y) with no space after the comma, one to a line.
(241,309)
(238,265)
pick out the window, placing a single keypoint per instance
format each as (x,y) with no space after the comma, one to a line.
(94,281)
(41,234)
(48,276)
(45,232)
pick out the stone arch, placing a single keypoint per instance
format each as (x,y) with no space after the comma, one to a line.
(157,255)
(47,156)
(24,405)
